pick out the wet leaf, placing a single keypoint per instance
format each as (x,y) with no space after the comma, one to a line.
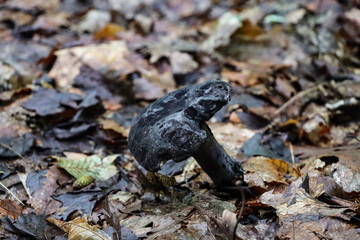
(85,202)
(42,186)
(29,226)
(259,145)
(56,102)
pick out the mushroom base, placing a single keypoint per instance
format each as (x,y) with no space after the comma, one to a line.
(215,161)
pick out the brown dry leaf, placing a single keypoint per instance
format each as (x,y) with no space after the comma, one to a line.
(243,78)
(48,6)
(20,18)
(350,29)
(79,229)
(66,69)
(324,228)
(182,63)
(234,118)
(186,8)
(23,57)
(253,13)
(163,78)
(13,119)
(347,178)
(247,73)
(147,90)
(299,212)
(259,230)
(316,127)
(231,136)
(103,58)
(194,218)
(112,104)
(341,164)
(52,21)
(309,151)
(123,204)
(93,21)
(339,135)
(109,124)
(248,29)
(129,8)
(262,170)
(294,202)
(325,184)
(139,225)
(346,172)
(165,45)
(11,208)
(110,31)
(315,167)
(226,25)
(284,87)
(9,78)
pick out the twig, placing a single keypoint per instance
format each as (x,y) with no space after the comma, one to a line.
(292,154)
(8,190)
(295,98)
(11,149)
(12,194)
(241,212)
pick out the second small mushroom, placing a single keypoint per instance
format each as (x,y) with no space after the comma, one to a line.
(174,127)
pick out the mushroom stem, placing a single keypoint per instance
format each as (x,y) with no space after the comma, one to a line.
(214,160)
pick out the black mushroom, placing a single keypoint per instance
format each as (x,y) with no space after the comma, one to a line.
(174,127)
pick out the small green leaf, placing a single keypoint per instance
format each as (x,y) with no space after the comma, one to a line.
(95,166)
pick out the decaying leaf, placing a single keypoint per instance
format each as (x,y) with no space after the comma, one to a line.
(42,186)
(74,74)
(263,171)
(299,212)
(93,21)
(10,208)
(342,165)
(182,63)
(225,27)
(100,57)
(79,228)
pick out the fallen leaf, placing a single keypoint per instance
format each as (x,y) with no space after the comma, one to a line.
(226,25)
(10,208)
(99,168)
(100,57)
(262,171)
(93,21)
(182,63)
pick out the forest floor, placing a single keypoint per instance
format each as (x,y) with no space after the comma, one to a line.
(75,73)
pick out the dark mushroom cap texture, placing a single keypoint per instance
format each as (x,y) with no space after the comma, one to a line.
(170,127)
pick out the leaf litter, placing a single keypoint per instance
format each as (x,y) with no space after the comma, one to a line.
(75,73)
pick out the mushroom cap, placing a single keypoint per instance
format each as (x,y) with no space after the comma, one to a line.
(170,127)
